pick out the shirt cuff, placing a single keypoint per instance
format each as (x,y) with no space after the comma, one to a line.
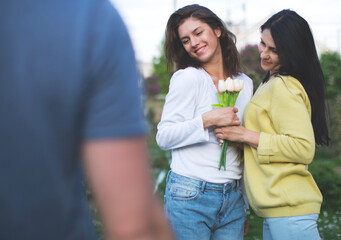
(264,150)
(200,124)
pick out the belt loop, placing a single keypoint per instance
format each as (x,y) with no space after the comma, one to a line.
(168,176)
(225,188)
(203,186)
(237,183)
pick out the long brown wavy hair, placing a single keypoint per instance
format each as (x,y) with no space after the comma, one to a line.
(176,55)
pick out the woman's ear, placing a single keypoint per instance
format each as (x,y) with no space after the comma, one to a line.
(217,32)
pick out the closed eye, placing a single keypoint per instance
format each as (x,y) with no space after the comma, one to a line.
(185,41)
(274,50)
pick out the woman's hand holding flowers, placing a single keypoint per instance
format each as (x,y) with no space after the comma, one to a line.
(230,133)
(229,91)
(221,117)
(237,134)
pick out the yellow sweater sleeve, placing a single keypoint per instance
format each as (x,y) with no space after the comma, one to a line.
(289,112)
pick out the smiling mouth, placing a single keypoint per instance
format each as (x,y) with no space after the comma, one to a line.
(265,62)
(200,50)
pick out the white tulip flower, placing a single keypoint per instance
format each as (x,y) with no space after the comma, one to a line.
(241,82)
(229,85)
(221,86)
(238,85)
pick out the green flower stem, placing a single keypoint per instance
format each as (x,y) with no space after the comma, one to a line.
(222,161)
(229,99)
(226,99)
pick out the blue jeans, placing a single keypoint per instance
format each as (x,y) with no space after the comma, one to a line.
(294,228)
(199,210)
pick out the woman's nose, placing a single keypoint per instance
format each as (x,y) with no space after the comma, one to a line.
(194,42)
(264,54)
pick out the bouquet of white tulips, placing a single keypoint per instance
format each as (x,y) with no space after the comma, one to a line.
(229,90)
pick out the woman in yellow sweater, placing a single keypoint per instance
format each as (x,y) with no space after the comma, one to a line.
(283,122)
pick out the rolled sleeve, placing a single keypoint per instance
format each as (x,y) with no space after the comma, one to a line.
(264,149)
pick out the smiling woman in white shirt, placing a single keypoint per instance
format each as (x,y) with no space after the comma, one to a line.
(201,201)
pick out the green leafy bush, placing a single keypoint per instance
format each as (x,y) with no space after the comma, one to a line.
(250,59)
(329,183)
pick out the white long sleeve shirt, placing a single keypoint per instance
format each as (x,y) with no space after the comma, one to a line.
(195,150)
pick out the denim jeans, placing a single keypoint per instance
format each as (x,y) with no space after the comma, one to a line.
(294,228)
(199,210)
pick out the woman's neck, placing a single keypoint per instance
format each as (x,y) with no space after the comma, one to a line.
(215,67)
(216,71)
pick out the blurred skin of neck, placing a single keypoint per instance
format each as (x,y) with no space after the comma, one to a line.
(215,68)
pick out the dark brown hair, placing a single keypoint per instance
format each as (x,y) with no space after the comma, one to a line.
(176,55)
(298,58)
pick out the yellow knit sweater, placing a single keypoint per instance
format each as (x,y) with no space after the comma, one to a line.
(277,179)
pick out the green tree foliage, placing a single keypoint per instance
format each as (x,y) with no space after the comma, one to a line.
(331,67)
(251,62)
(328,181)
(160,70)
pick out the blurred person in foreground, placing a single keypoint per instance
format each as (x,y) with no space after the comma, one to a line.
(69,93)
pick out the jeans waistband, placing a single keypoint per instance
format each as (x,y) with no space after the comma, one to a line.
(221,187)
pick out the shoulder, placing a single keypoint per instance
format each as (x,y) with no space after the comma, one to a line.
(188,72)
(288,85)
(244,77)
(108,40)
(187,76)
(102,15)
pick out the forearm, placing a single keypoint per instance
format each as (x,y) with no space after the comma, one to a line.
(250,137)
(272,147)
(238,134)
(220,117)
(206,120)
(118,171)
(300,150)
(279,148)
(172,135)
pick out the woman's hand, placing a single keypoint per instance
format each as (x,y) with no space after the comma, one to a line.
(231,133)
(237,145)
(220,117)
(238,134)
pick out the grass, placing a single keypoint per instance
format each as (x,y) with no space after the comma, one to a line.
(329,224)
(255,228)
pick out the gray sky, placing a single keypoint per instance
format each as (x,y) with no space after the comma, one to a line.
(146,19)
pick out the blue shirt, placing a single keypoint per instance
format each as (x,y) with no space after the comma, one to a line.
(67,75)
